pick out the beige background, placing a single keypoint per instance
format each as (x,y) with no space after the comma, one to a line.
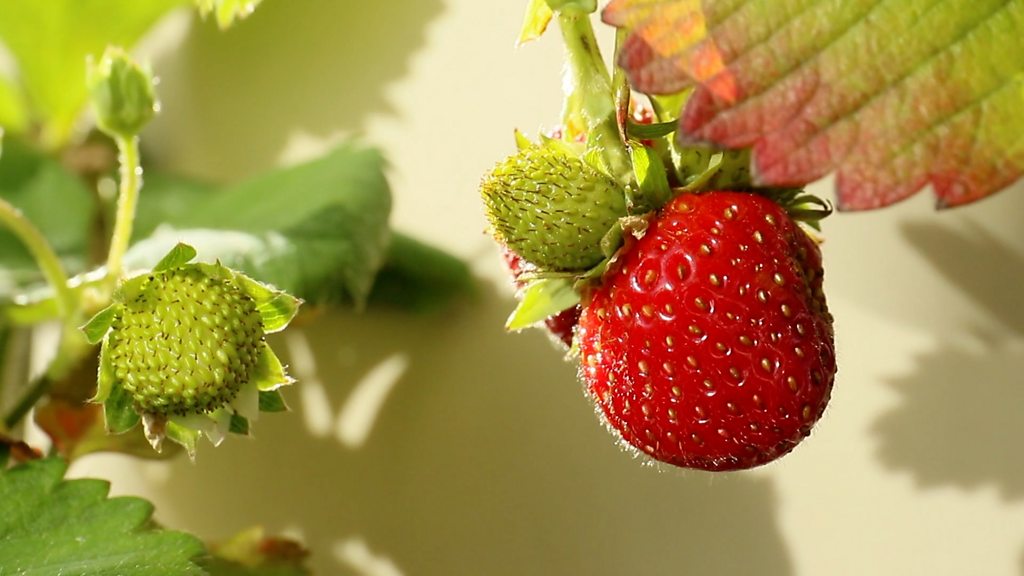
(442,446)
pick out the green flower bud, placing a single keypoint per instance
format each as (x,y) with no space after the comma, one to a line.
(122,94)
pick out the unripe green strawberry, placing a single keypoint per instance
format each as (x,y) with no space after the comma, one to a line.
(185,342)
(183,351)
(551,207)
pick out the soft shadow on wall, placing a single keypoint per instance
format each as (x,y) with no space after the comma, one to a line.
(958,422)
(232,99)
(484,458)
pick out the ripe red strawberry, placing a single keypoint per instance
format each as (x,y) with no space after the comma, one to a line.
(562,326)
(710,345)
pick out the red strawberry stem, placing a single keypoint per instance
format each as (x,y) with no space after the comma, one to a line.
(591,97)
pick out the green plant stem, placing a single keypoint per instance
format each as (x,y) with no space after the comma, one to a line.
(44,255)
(592,91)
(36,390)
(128,196)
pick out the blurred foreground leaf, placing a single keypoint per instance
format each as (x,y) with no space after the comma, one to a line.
(56,526)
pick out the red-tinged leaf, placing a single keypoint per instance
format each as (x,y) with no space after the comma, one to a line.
(892,95)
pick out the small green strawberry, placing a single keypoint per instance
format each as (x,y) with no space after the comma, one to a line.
(183,348)
(185,342)
(551,207)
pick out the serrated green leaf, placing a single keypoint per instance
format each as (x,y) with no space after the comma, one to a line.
(55,526)
(50,41)
(535,22)
(272,401)
(836,100)
(542,298)
(96,328)
(119,411)
(178,256)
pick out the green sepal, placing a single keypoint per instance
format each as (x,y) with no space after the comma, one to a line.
(180,255)
(272,401)
(217,271)
(535,22)
(187,437)
(698,180)
(269,373)
(97,326)
(276,308)
(650,131)
(612,240)
(119,411)
(542,298)
(522,142)
(105,378)
(650,177)
(594,158)
(129,289)
(239,425)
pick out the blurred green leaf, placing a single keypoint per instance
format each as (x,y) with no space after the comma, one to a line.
(36,184)
(351,176)
(317,230)
(13,110)
(419,277)
(55,526)
(50,41)
(167,198)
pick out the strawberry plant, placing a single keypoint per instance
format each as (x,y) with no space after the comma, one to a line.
(164,292)
(704,337)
